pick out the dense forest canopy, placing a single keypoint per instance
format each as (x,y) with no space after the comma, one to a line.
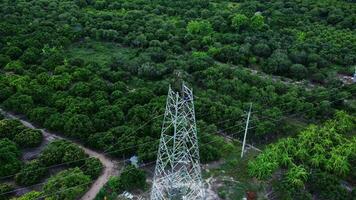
(103,100)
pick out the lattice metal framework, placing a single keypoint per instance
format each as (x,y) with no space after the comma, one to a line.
(178,173)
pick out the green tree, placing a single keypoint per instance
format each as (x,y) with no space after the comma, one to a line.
(239,21)
(4,60)
(9,128)
(278,62)
(20,103)
(316,149)
(14,52)
(5,188)
(15,66)
(92,167)
(67,185)
(132,178)
(28,138)
(30,56)
(9,158)
(31,173)
(199,28)
(298,71)
(41,114)
(257,21)
(262,50)
(73,154)
(62,151)
(79,126)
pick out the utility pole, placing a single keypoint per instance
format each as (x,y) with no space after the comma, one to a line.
(246,128)
(177,172)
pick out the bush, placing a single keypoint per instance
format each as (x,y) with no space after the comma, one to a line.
(28,138)
(93,167)
(111,189)
(9,157)
(19,103)
(60,151)
(298,71)
(132,178)
(31,173)
(4,60)
(68,184)
(4,188)
(9,128)
(30,196)
(15,66)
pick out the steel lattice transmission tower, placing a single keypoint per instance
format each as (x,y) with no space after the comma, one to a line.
(178,173)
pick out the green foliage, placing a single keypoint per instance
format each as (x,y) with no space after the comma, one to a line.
(239,21)
(324,149)
(68,184)
(24,137)
(79,126)
(257,21)
(298,71)
(41,114)
(9,158)
(10,128)
(28,138)
(200,28)
(92,167)
(31,173)
(297,176)
(14,66)
(61,151)
(278,63)
(4,188)
(30,196)
(14,52)
(4,60)
(328,186)
(19,103)
(132,178)
(210,151)
(111,189)
(91,66)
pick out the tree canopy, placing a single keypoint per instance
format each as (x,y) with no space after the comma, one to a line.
(318,151)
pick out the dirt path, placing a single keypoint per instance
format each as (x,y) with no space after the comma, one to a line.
(111,167)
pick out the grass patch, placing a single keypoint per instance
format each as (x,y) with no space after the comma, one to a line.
(100,52)
(233,175)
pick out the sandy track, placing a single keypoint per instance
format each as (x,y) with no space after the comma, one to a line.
(111,167)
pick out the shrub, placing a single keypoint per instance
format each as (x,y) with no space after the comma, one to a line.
(31,173)
(68,184)
(28,138)
(92,167)
(9,157)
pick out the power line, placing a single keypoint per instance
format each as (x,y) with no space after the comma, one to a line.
(120,162)
(145,164)
(106,152)
(146,143)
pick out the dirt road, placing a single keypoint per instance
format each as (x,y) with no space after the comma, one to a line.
(111,167)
